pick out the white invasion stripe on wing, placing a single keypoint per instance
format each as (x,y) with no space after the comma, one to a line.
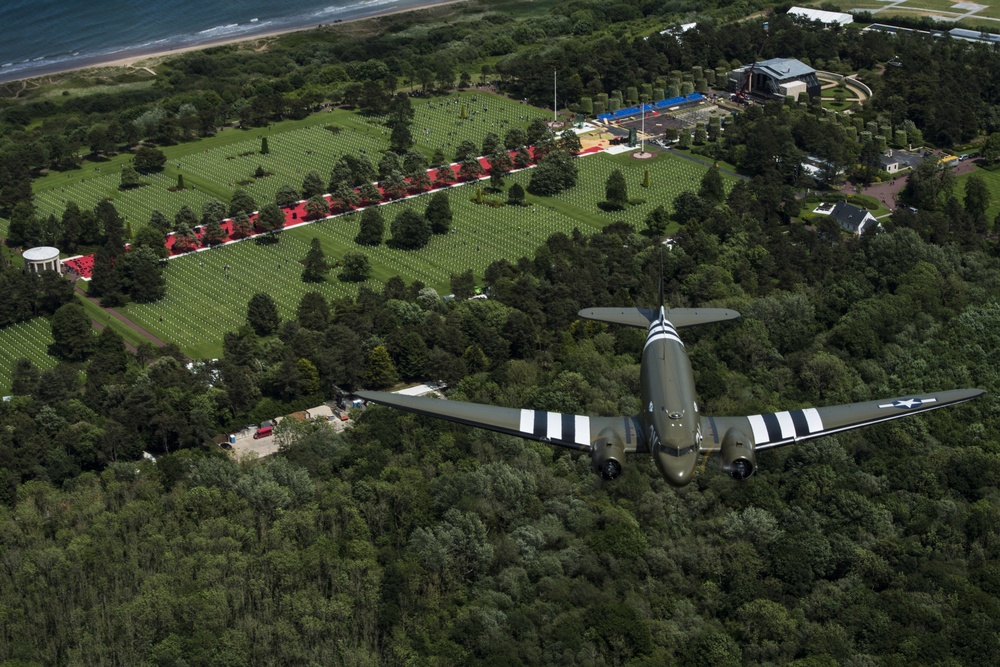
(553,425)
(813,419)
(582,427)
(759,429)
(787,427)
(527,421)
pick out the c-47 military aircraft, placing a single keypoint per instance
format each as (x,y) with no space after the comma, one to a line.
(670,427)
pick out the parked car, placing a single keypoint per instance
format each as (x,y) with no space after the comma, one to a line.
(263,432)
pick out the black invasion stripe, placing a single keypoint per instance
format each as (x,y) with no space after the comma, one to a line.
(800,423)
(568,428)
(628,432)
(773,427)
(715,431)
(541,423)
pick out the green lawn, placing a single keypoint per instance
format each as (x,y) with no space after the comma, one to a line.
(202,303)
(29,339)
(214,167)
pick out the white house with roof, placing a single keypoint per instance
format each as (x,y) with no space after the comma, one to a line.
(851,218)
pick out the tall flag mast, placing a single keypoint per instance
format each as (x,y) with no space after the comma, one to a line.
(555,101)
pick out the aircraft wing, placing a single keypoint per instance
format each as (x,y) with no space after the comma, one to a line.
(784,428)
(571,431)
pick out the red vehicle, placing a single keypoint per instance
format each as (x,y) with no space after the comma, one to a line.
(263,432)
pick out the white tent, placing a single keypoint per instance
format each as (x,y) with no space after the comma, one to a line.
(827,18)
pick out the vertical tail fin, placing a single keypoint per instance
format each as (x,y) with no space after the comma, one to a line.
(661,283)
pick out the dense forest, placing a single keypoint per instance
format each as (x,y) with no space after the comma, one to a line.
(409,541)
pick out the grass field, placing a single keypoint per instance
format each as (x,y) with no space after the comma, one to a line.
(202,302)
(215,166)
(29,339)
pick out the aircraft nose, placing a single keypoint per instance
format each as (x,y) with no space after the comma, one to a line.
(677,470)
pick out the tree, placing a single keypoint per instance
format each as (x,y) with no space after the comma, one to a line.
(444,176)
(113,226)
(515,138)
(185,218)
(401,139)
(389,163)
(657,221)
(438,213)
(412,356)
(537,130)
(151,238)
(616,191)
(463,285)
(500,165)
(420,181)
(262,314)
(129,178)
(25,227)
(312,185)
(515,195)
(160,223)
(264,148)
(569,141)
(356,267)
(380,372)
(369,193)
(272,218)
(103,279)
(241,201)
(286,196)
(977,201)
(394,186)
(147,160)
(313,312)
(555,172)
(24,377)
(315,266)
(71,227)
(344,198)
(212,211)
(214,233)
(242,227)
(317,207)
(73,339)
(372,227)
(712,189)
(466,150)
(141,275)
(470,169)
(410,230)
(491,144)
(990,151)
(522,158)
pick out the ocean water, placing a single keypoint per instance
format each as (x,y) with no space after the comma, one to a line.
(43,36)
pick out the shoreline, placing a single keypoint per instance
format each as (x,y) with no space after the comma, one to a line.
(132,58)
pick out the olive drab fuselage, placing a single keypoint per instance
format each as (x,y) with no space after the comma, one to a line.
(669,416)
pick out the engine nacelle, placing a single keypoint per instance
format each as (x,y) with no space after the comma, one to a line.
(738,459)
(608,456)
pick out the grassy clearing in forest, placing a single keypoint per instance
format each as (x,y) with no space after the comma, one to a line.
(215,166)
(202,302)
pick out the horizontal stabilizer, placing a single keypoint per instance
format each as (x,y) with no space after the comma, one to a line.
(686,317)
(641,317)
(632,317)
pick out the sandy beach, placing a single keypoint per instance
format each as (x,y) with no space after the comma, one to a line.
(147,59)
